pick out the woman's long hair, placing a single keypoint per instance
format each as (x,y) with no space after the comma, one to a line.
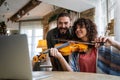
(90,27)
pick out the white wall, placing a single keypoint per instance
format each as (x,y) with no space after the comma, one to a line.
(100,18)
(117,20)
(12,25)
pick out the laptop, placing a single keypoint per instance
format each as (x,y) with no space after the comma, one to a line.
(14,58)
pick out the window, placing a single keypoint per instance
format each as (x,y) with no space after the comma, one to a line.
(111,4)
(107,14)
(110,28)
(34,32)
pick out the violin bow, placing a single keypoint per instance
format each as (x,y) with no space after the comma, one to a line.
(88,43)
(68,42)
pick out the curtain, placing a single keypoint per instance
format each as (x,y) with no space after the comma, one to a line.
(34,32)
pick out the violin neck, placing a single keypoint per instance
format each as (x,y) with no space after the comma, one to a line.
(46,51)
(62,45)
(58,47)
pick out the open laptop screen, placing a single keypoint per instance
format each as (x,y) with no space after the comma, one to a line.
(14,57)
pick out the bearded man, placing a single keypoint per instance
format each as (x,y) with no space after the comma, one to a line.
(62,31)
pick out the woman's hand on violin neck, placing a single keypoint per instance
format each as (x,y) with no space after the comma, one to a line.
(55,53)
(105,40)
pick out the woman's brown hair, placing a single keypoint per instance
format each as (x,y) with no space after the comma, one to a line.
(90,27)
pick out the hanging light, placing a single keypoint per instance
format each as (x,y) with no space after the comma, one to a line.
(6,5)
(18,16)
(23,12)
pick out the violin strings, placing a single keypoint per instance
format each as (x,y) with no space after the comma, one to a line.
(75,41)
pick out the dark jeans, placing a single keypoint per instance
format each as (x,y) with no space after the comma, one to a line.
(109,61)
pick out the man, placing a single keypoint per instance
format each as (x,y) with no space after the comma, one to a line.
(62,31)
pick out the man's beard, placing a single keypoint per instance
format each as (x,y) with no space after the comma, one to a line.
(64,32)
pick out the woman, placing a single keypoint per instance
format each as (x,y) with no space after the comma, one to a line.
(83,30)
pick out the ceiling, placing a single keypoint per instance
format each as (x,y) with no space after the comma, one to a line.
(12,6)
(75,5)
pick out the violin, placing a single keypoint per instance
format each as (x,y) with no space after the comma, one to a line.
(66,49)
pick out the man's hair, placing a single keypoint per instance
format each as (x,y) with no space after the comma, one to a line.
(63,15)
